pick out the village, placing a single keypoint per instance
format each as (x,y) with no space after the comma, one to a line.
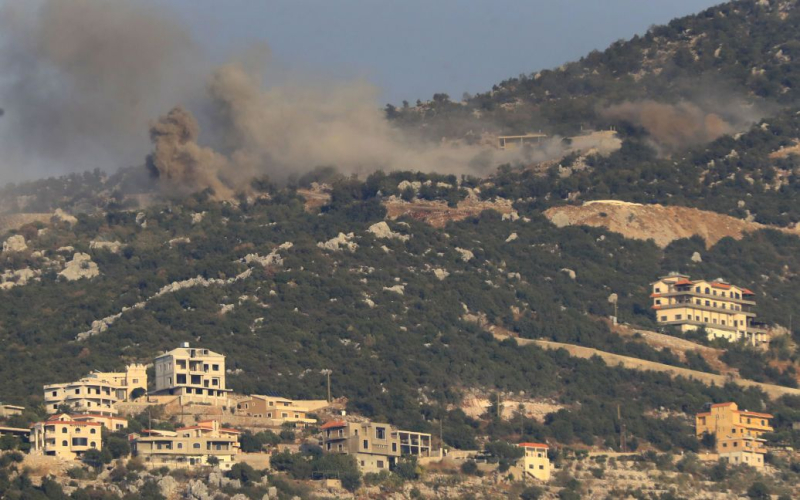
(195,422)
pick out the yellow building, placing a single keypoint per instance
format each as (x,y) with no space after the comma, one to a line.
(280,409)
(187,447)
(197,375)
(517,141)
(376,447)
(62,436)
(111,423)
(724,310)
(98,392)
(535,462)
(737,434)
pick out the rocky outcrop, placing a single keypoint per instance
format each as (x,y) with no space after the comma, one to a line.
(438,213)
(20,277)
(272,259)
(80,267)
(15,244)
(466,255)
(382,230)
(662,224)
(62,216)
(111,246)
(398,289)
(339,243)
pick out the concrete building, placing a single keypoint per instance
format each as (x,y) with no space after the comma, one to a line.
(737,434)
(375,446)
(62,436)
(98,392)
(724,310)
(518,141)
(280,409)
(111,423)
(535,463)
(197,375)
(187,447)
(10,410)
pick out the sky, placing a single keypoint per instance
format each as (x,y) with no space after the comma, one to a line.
(413,48)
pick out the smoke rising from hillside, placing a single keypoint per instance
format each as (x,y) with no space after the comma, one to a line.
(685,124)
(81,80)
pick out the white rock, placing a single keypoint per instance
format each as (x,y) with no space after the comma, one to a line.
(339,243)
(512,216)
(141,219)
(67,249)
(415,185)
(369,302)
(466,255)
(696,257)
(111,246)
(179,241)
(15,243)
(272,259)
(440,274)
(569,272)
(20,277)
(511,237)
(198,217)
(226,308)
(399,289)
(382,230)
(62,216)
(81,266)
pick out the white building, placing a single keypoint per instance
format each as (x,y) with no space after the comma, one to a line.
(195,374)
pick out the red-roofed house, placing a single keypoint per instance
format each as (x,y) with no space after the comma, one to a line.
(535,462)
(62,436)
(724,310)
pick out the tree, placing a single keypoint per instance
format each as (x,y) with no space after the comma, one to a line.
(244,473)
(118,446)
(212,460)
(406,467)
(531,493)
(470,468)
(759,491)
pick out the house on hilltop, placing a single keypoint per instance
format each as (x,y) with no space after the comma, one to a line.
(98,392)
(737,433)
(724,310)
(195,374)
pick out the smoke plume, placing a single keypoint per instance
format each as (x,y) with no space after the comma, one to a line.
(675,126)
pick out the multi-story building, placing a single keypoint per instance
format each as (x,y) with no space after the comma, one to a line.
(111,423)
(98,392)
(62,436)
(280,409)
(187,447)
(737,434)
(724,310)
(535,461)
(10,410)
(375,446)
(195,374)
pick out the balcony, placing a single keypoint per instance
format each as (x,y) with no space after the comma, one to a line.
(718,298)
(703,307)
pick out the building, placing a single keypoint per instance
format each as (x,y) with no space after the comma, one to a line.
(62,436)
(197,375)
(280,409)
(10,410)
(518,141)
(724,310)
(535,461)
(375,446)
(737,434)
(111,423)
(98,392)
(187,447)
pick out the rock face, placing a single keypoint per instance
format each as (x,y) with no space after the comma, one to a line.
(438,214)
(511,237)
(81,266)
(339,243)
(15,243)
(696,257)
(398,289)
(440,274)
(466,255)
(111,246)
(20,277)
(382,230)
(272,259)
(660,223)
(62,216)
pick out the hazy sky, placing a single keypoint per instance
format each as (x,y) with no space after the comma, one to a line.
(413,48)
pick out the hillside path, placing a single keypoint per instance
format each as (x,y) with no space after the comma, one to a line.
(773,391)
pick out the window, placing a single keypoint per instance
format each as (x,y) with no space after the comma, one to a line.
(708,303)
(663,318)
(380,464)
(366,444)
(658,301)
(380,433)
(658,290)
(678,316)
(394,447)
(215,368)
(63,430)
(284,415)
(54,393)
(707,291)
(697,289)
(92,431)
(196,446)
(77,391)
(94,445)
(541,467)
(136,381)
(64,443)
(79,441)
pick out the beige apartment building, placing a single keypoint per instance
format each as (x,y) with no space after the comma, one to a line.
(195,374)
(737,432)
(10,410)
(280,409)
(187,447)
(98,392)
(724,310)
(535,462)
(62,436)
(375,446)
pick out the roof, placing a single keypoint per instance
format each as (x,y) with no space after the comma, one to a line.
(755,414)
(745,291)
(683,282)
(334,423)
(533,445)
(97,415)
(14,407)
(718,405)
(724,286)
(57,418)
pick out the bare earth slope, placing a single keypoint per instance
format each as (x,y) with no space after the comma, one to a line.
(663,224)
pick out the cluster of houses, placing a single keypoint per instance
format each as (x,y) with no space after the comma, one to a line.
(81,410)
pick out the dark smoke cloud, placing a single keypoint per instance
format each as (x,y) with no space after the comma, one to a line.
(81,80)
(675,126)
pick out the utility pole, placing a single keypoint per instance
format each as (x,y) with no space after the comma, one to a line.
(622,438)
(498,405)
(327,373)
